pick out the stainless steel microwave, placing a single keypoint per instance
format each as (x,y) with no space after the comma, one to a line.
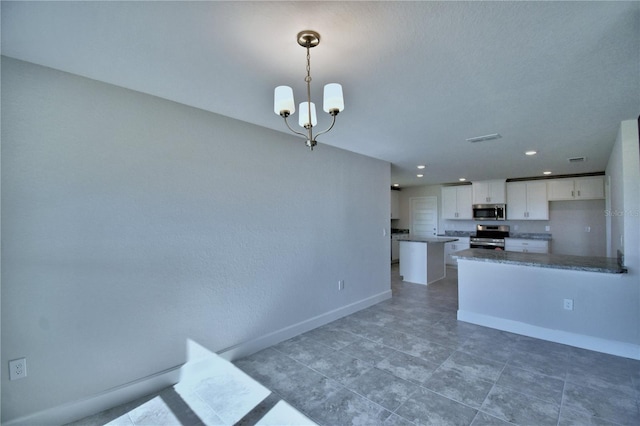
(489,211)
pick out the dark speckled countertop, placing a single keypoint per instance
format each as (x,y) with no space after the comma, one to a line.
(556,261)
(429,240)
(530,236)
(519,235)
(450,233)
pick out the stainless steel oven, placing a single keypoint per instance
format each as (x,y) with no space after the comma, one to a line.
(490,237)
(489,211)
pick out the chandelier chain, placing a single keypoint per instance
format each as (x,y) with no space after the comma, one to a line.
(308,77)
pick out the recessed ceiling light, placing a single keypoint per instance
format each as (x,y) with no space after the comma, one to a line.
(419,175)
(462,179)
(546,172)
(531,152)
(421,166)
(396,185)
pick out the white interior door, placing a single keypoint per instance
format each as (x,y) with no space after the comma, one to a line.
(424,216)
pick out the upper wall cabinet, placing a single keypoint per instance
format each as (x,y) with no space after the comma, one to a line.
(527,201)
(456,202)
(395,204)
(489,191)
(586,188)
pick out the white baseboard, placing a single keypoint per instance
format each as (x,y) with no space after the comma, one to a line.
(612,347)
(76,410)
(252,346)
(110,398)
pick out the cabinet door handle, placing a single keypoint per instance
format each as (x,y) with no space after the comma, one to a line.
(572,194)
(578,193)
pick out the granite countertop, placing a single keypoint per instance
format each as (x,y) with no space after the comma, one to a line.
(429,240)
(460,233)
(555,261)
(522,235)
(530,236)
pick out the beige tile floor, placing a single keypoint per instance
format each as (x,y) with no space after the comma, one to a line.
(408,361)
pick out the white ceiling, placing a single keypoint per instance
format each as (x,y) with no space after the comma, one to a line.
(419,77)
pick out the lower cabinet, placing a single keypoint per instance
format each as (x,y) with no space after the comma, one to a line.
(526,246)
(450,248)
(395,249)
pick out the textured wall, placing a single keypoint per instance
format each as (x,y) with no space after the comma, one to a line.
(624,171)
(569,221)
(131,224)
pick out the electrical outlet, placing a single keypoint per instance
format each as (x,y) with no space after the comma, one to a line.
(18,369)
(547,228)
(587,229)
(568,304)
(341,285)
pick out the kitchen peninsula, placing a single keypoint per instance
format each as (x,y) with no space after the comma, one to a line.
(580,301)
(422,260)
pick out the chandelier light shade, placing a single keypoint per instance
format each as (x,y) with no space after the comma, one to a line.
(283,100)
(284,104)
(333,100)
(303,119)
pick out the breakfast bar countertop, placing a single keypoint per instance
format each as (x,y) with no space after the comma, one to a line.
(543,260)
(428,240)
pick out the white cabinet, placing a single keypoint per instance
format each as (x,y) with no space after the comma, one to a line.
(526,246)
(489,191)
(395,247)
(450,248)
(395,204)
(589,188)
(586,188)
(456,202)
(527,201)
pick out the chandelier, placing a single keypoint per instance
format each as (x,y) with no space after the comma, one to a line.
(284,105)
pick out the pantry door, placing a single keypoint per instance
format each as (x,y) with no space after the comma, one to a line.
(424,216)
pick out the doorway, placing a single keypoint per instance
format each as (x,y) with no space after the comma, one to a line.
(424,216)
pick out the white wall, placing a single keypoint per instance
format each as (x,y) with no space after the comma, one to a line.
(623,171)
(131,224)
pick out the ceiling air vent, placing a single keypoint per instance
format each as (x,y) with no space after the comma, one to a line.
(577,159)
(484,138)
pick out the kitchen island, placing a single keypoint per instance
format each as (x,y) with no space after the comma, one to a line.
(422,260)
(581,301)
